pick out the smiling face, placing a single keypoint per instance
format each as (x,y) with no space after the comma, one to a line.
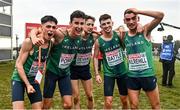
(89,25)
(77,26)
(49,29)
(131,20)
(106,25)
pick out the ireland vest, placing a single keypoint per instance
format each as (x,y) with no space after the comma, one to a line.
(139,53)
(62,55)
(84,51)
(114,62)
(31,65)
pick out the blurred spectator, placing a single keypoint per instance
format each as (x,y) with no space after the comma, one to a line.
(167,57)
(177,49)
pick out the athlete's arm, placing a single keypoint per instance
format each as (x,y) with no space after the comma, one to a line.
(59,35)
(95,62)
(34,36)
(120,31)
(158,16)
(96,34)
(24,52)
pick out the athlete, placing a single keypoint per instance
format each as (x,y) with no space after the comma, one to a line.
(80,68)
(30,60)
(61,56)
(114,63)
(139,52)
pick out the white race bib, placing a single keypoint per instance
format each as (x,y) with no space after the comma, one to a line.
(83,59)
(65,60)
(38,77)
(34,68)
(138,61)
(114,57)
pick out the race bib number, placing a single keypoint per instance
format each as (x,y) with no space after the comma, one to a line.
(34,68)
(138,61)
(65,60)
(114,57)
(83,59)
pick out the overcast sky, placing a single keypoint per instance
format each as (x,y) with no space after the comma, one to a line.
(31,11)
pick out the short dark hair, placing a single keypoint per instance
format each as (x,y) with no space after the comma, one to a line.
(104,17)
(169,37)
(90,17)
(77,14)
(48,18)
(128,12)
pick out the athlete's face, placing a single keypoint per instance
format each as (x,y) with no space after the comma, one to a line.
(77,25)
(106,25)
(48,29)
(89,25)
(131,20)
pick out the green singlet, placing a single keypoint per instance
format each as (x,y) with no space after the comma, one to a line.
(114,62)
(31,65)
(139,52)
(62,55)
(84,51)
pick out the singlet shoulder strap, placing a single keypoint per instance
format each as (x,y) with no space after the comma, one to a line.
(121,41)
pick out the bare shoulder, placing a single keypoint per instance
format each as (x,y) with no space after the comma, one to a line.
(27,44)
(59,35)
(61,32)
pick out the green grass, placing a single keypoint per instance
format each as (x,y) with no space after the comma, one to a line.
(169,97)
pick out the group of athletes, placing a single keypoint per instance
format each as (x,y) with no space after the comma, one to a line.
(63,56)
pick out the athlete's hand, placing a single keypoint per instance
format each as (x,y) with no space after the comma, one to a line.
(97,32)
(37,41)
(134,10)
(30,89)
(98,79)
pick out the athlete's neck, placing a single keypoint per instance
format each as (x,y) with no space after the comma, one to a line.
(132,32)
(108,35)
(46,43)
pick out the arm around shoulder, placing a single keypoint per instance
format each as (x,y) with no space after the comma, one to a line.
(34,36)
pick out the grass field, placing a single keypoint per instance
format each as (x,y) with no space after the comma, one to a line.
(169,97)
